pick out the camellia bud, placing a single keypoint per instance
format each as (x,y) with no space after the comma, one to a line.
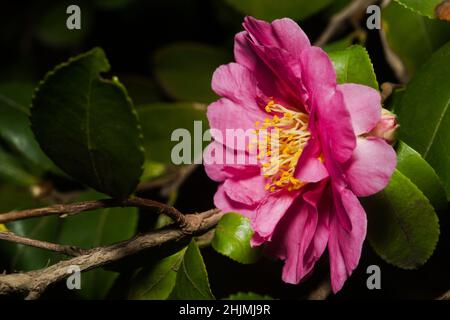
(387,127)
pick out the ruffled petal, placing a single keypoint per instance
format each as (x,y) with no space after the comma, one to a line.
(270,211)
(224,203)
(223,163)
(249,191)
(281,33)
(363,104)
(310,168)
(345,246)
(232,124)
(371,166)
(235,82)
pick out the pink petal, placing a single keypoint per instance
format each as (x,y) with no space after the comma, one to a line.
(334,127)
(249,191)
(318,73)
(262,62)
(225,114)
(309,167)
(224,203)
(282,33)
(235,82)
(345,247)
(371,166)
(270,211)
(363,104)
(216,158)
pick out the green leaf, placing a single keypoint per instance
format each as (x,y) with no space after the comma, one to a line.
(270,10)
(248,296)
(51,27)
(192,279)
(232,238)
(424,114)
(87,125)
(20,257)
(184,70)
(413,48)
(12,171)
(159,120)
(157,281)
(94,229)
(402,225)
(141,89)
(413,166)
(340,44)
(353,65)
(423,7)
(15,100)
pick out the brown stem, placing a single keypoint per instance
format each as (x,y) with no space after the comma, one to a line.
(32,284)
(338,20)
(71,209)
(67,250)
(322,291)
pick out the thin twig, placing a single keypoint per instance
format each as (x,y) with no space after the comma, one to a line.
(182,176)
(67,250)
(32,284)
(75,208)
(392,58)
(337,21)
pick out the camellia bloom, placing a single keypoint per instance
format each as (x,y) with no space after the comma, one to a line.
(302,199)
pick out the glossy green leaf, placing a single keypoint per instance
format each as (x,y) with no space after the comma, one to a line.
(51,27)
(424,114)
(423,7)
(402,225)
(184,70)
(232,238)
(413,166)
(270,10)
(11,170)
(157,281)
(413,48)
(15,100)
(158,122)
(353,65)
(94,229)
(192,279)
(248,296)
(87,125)
(339,45)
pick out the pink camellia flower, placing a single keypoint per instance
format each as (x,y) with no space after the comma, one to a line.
(306,202)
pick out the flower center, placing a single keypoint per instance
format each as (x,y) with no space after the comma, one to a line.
(287,134)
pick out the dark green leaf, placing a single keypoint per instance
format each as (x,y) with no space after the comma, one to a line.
(269,9)
(15,100)
(413,166)
(12,171)
(424,114)
(87,125)
(141,89)
(413,48)
(402,225)
(94,229)
(232,238)
(353,65)
(156,282)
(423,7)
(184,70)
(159,120)
(192,279)
(248,296)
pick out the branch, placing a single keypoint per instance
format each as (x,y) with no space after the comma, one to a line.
(71,209)
(32,284)
(322,291)
(67,250)
(338,20)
